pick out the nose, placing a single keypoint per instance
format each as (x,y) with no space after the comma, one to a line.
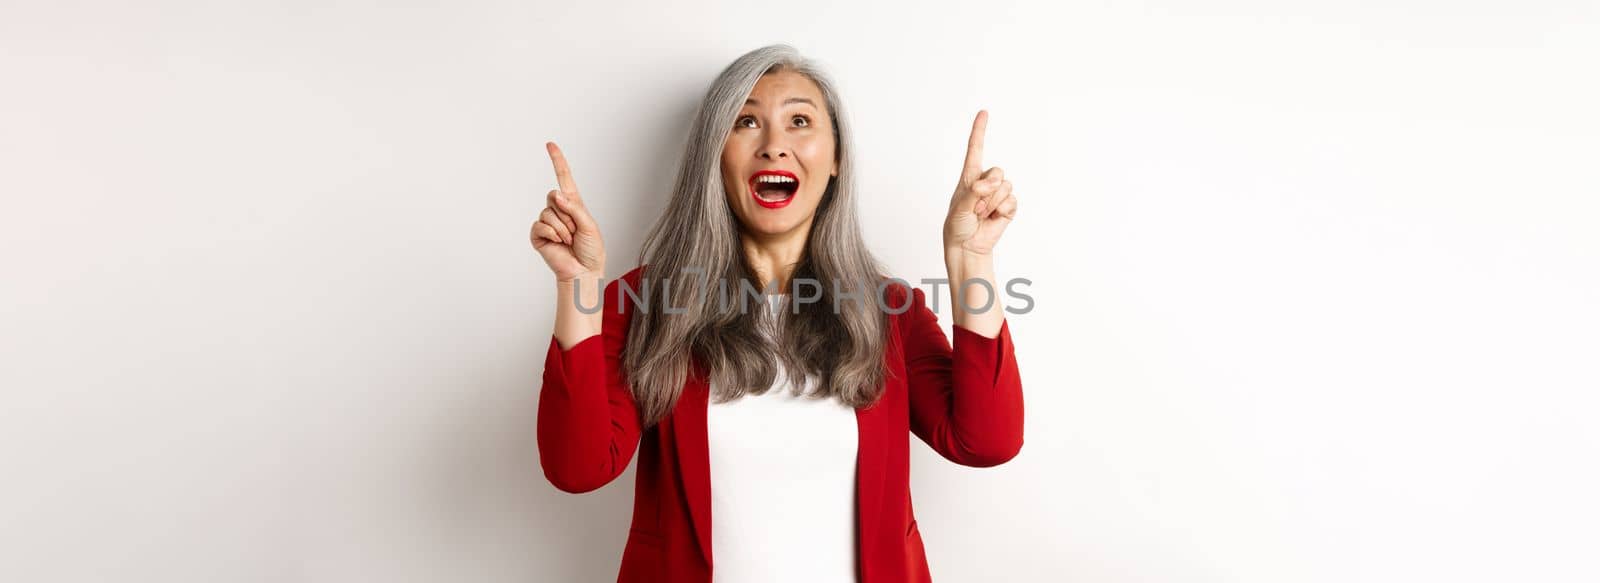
(773,149)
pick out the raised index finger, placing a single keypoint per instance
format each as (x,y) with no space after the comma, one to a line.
(974,164)
(563,172)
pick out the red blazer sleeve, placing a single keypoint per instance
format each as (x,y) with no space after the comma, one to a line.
(966,401)
(588,426)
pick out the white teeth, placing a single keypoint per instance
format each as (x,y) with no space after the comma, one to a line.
(773,178)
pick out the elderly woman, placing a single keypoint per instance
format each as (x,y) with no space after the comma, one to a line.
(773,442)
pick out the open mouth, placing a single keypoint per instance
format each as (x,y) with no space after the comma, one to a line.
(774,188)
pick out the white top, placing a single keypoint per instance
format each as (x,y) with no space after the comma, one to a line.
(783,487)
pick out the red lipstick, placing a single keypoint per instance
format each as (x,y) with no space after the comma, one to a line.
(773,204)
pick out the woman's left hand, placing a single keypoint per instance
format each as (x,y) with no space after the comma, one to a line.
(982,205)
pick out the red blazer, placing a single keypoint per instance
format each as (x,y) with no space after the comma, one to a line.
(965,402)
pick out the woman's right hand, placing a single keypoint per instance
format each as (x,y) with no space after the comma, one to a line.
(565,234)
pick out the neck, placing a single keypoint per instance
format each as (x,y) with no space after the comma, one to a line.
(774,257)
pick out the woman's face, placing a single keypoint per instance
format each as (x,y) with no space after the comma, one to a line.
(779,155)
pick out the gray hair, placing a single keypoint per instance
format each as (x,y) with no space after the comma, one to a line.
(698,232)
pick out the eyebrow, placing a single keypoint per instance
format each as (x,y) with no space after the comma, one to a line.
(785,102)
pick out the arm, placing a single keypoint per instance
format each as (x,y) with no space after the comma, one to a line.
(966,401)
(573,325)
(964,267)
(588,425)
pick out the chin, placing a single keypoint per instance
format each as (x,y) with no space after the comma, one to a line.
(770,225)
(769,228)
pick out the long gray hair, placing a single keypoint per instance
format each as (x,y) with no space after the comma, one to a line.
(696,242)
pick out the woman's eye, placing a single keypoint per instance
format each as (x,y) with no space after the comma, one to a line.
(748,121)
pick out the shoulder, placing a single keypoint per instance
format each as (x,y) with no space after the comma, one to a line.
(633,275)
(630,277)
(900,298)
(905,308)
(619,302)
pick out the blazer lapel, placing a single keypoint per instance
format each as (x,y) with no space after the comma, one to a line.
(869,475)
(694,455)
(872,452)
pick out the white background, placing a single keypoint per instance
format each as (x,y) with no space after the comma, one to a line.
(1315,283)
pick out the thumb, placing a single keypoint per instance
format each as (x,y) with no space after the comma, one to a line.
(971,193)
(578,212)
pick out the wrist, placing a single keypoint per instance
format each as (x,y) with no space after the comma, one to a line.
(960,257)
(586,276)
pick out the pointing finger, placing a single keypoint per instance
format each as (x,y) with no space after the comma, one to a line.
(974,161)
(563,172)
